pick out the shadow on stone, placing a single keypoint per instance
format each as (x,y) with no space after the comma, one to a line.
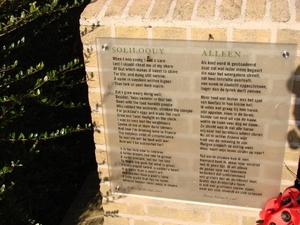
(293,137)
(87,207)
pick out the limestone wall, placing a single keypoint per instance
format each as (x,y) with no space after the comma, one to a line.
(270,21)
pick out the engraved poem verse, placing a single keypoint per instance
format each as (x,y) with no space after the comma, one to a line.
(186,118)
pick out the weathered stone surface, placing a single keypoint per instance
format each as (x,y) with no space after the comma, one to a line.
(288,36)
(139,8)
(184,9)
(131,32)
(280,10)
(93,33)
(160,9)
(230,9)
(255,9)
(204,34)
(116,8)
(206,8)
(169,33)
(93,9)
(297,5)
(228,219)
(251,35)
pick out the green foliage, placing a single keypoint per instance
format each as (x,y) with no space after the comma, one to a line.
(44,111)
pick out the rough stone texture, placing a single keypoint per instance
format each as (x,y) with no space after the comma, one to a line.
(255,9)
(93,79)
(139,8)
(105,190)
(206,8)
(249,220)
(133,209)
(131,32)
(97,118)
(184,9)
(169,33)
(292,154)
(288,36)
(99,138)
(116,7)
(160,9)
(203,34)
(223,218)
(230,9)
(286,175)
(101,156)
(178,214)
(297,5)
(252,35)
(94,99)
(109,220)
(103,175)
(93,9)
(90,58)
(280,10)
(90,36)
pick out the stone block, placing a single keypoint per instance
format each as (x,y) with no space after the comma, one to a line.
(139,8)
(250,220)
(280,10)
(99,138)
(94,100)
(109,220)
(217,34)
(101,156)
(90,58)
(222,218)
(97,118)
(230,9)
(287,175)
(105,189)
(297,6)
(92,33)
(93,9)
(169,33)
(206,8)
(177,214)
(288,36)
(255,9)
(184,9)
(92,78)
(251,35)
(116,7)
(160,9)
(131,32)
(103,173)
(292,154)
(131,209)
